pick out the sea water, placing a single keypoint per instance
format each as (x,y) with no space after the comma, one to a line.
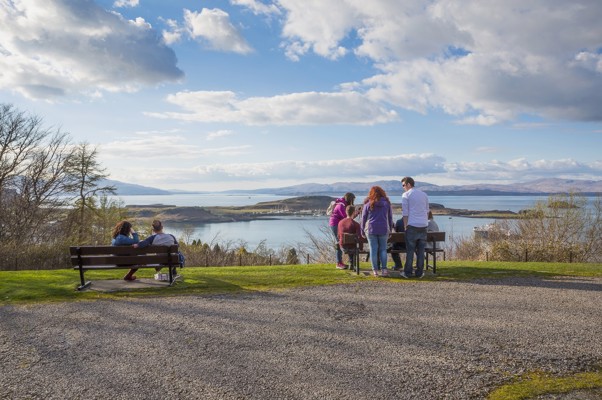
(289,231)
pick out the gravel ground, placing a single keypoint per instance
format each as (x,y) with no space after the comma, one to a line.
(379,339)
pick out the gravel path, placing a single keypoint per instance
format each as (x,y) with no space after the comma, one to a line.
(379,339)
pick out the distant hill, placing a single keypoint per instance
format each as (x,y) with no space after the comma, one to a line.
(127,189)
(393,187)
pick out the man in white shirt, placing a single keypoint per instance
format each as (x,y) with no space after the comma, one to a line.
(415,208)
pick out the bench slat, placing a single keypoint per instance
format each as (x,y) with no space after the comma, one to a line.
(119,250)
(394,237)
(117,260)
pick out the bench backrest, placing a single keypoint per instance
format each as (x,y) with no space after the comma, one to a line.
(123,255)
(395,237)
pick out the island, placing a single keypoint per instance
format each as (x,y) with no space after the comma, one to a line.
(296,206)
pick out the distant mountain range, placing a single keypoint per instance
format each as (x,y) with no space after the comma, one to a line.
(129,189)
(393,187)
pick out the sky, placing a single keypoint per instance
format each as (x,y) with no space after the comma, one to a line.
(205,95)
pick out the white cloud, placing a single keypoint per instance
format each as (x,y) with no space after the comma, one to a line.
(174,32)
(318,24)
(487,149)
(219,134)
(521,169)
(309,108)
(161,146)
(126,3)
(485,62)
(365,167)
(213,26)
(257,7)
(428,167)
(241,174)
(51,48)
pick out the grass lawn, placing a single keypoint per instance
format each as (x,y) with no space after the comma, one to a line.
(22,287)
(59,285)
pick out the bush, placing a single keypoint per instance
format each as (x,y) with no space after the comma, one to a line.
(562,229)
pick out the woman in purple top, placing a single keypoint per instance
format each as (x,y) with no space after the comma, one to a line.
(377,223)
(338,214)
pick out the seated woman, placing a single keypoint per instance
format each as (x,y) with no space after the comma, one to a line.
(124,235)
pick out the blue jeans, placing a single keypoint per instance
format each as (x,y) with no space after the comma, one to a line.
(335,232)
(378,251)
(415,242)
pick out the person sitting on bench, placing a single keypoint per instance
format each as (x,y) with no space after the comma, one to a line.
(124,235)
(348,225)
(158,238)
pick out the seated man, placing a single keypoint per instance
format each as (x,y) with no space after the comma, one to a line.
(158,238)
(348,225)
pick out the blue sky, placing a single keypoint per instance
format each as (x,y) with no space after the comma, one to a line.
(242,94)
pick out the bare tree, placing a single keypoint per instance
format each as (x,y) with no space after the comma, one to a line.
(32,176)
(86,178)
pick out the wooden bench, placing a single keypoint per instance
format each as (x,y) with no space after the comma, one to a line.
(350,239)
(84,258)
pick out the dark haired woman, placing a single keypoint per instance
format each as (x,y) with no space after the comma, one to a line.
(124,235)
(377,223)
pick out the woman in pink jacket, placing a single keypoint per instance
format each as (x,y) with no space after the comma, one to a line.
(338,214)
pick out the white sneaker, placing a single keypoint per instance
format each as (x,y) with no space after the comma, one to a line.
(403,275)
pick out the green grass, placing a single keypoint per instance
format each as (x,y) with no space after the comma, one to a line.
(537,384)
(60,285)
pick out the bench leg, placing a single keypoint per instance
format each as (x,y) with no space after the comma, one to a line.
(84,284)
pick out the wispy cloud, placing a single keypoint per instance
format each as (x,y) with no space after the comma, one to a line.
(427,167)
(363,168)
(311,108)
(164,146)
(126,3)
(521,169)
(219,134)
(258,7)
(486,149)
